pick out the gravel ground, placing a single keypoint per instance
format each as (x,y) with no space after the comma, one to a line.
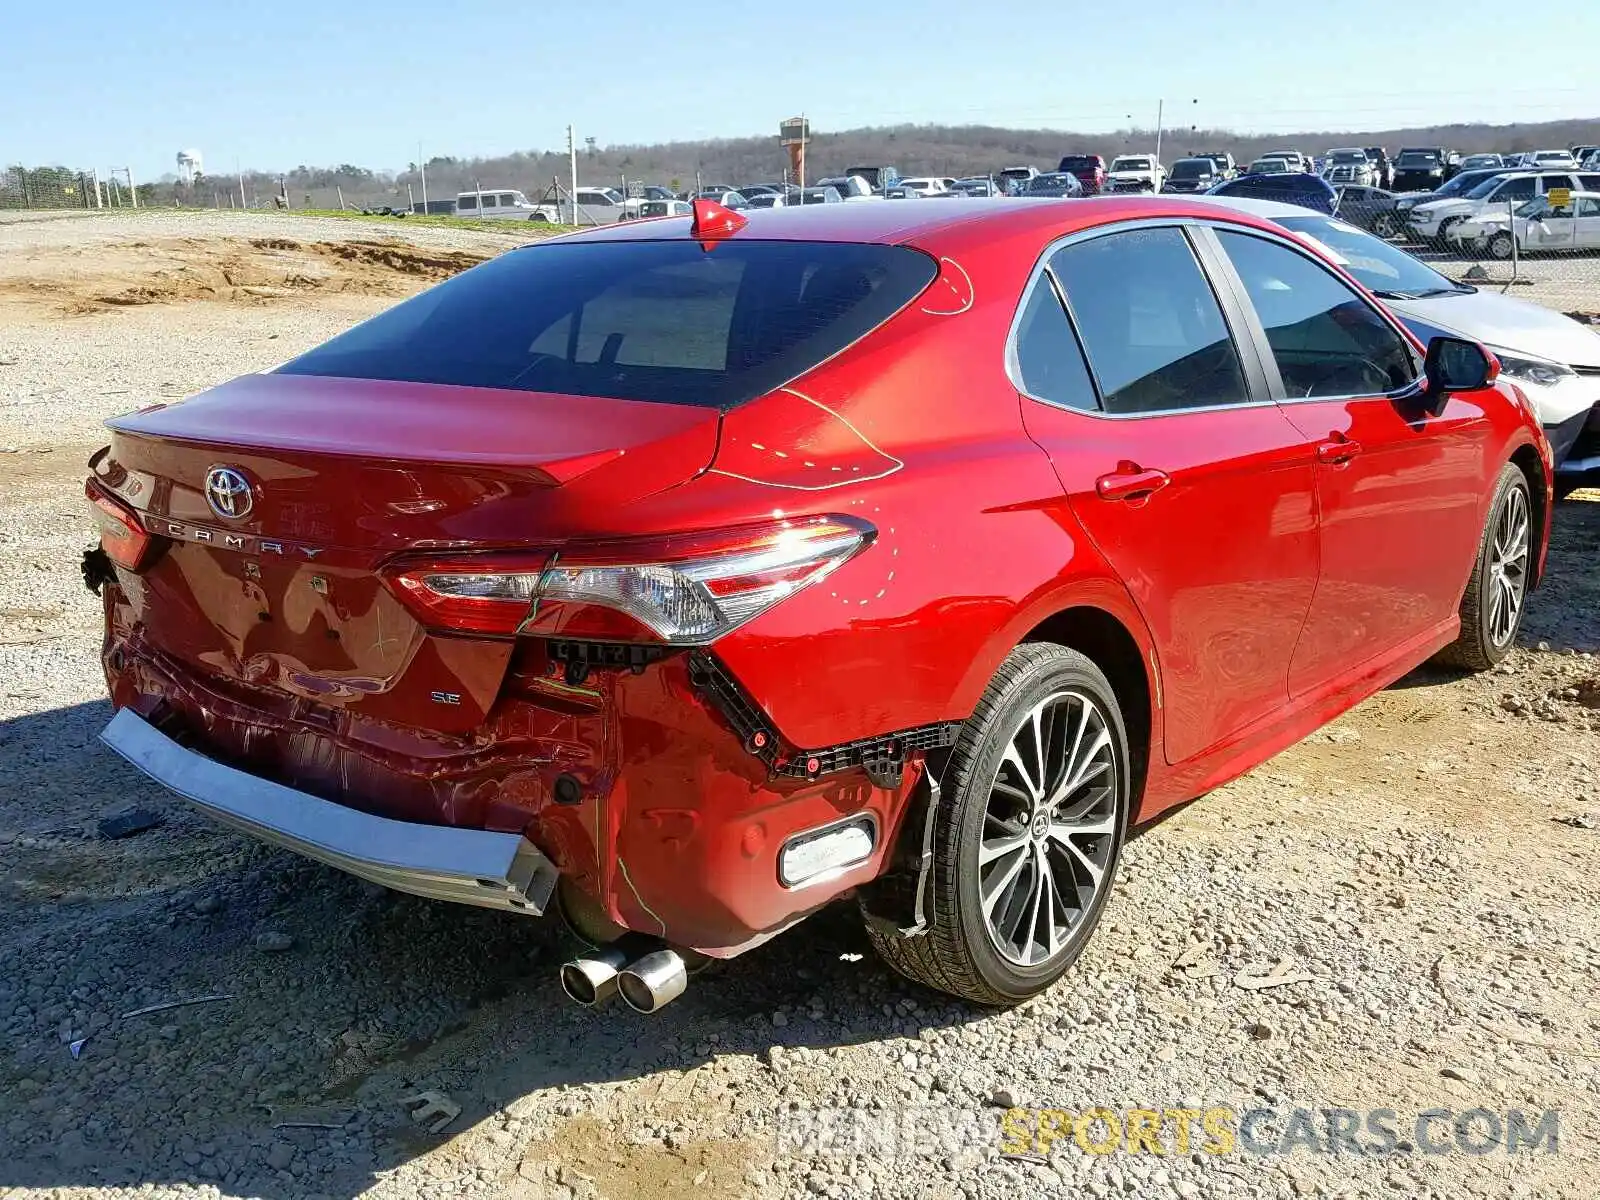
(1426,873)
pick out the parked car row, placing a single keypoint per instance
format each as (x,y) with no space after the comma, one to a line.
(1422,170)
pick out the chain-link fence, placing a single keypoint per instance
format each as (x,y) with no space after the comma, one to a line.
(62,188)
(46,188)
(1536,237)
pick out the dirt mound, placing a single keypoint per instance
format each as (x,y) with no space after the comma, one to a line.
(407,260)
(254,271)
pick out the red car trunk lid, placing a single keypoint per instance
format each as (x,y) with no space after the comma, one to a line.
(344,474)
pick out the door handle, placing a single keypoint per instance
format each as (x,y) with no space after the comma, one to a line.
(1131,485)
(1337,450)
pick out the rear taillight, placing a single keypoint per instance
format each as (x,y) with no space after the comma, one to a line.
(125,541)
(685,590)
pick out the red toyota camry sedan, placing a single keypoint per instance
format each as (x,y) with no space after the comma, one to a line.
(689,575)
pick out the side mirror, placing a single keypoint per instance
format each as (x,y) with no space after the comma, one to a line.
(1457,365)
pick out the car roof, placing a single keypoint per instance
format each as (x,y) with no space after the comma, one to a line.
(897,224)
(1532,174)
(1267,210)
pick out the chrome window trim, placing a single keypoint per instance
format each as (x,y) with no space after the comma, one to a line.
(1284,237)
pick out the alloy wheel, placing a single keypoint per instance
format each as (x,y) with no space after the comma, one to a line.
(1050,828)
(1508,567)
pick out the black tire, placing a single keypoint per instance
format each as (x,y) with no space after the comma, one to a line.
(1501,246)
(1484,641)
(957,953)
(1441,239)
(541,218)
(1385,225)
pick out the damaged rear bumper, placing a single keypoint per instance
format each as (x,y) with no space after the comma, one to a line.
(466,866)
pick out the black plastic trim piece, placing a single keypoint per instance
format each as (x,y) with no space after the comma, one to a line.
(97,569)
(882,757)
(580,658)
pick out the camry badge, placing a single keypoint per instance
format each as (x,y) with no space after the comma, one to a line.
(228,493)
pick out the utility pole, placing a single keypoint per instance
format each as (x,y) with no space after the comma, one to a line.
(132,191)
(572,162)
(423,167)
(97,201)
(1160,113)
(240,171)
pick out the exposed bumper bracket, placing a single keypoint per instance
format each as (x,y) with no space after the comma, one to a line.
(883,757)
(466,866)
(897,901)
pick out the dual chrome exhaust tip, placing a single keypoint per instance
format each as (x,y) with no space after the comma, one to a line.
(647,974)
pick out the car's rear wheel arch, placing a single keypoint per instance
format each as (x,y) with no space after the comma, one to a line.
(1108,643)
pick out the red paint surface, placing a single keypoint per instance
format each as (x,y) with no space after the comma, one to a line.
(1267,588)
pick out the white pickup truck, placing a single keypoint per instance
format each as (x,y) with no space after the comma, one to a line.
(851,188)
(1135,173)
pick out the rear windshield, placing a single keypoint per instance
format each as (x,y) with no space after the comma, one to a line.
(662,321)
(1418,158)
(1078,162)
(1192,168)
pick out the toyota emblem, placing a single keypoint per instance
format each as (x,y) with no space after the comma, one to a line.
(228,493)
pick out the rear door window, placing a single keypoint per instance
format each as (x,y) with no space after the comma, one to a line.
(1049,360)
(466,202)
(645,320)
(1326,339)
(1152,327)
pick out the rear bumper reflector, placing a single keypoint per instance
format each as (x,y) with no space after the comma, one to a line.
(466,866)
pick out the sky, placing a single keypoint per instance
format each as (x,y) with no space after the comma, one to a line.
(102,83)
